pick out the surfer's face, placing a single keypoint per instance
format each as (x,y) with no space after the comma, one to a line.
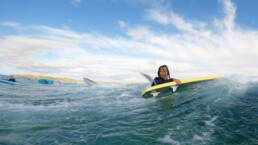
(163,73)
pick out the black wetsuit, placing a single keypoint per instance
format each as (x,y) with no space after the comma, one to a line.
(12,80)
(158,81)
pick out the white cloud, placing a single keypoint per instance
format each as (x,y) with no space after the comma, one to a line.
(152,3)
(121,23)
(11,24)
(70,60)
(194,51)
(75,2)
(139,33)
(230,12)
(157,16)
(225,49)
(173,19)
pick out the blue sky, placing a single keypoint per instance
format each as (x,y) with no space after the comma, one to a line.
(102,15)
(116,39)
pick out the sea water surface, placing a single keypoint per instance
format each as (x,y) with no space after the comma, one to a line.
(223,111)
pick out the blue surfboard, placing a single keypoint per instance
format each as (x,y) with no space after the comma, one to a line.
(11,83)
(45,81)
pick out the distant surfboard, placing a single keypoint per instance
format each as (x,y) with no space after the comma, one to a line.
(11,83)
(89,82)
(171,87)
(45,81)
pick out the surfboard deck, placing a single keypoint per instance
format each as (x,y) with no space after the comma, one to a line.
(171,87)
(11,83)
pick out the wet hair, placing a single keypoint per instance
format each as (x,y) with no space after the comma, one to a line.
(162,67)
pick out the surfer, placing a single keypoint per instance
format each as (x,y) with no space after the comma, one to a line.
(164,76)
(12,79)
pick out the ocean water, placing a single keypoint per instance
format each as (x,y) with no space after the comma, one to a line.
(223,111)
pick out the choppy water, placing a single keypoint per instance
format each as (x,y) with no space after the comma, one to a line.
(224,112)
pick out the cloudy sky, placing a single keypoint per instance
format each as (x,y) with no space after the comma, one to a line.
(116,39)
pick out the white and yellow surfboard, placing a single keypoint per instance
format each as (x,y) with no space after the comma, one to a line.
(171,87)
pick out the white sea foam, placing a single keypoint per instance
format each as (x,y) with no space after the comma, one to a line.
(210,122)
(178,127)
(124,95)
(22,106)
(168,139)
(197,137)
(217,100)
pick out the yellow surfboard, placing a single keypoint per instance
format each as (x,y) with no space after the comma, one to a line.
(168,88)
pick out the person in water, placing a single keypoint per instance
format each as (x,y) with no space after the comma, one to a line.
(164,76)
(12,79)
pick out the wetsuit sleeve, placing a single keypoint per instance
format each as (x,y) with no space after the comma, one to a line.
(155,82)
(13,80)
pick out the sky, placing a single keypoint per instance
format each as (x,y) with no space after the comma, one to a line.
(114,40)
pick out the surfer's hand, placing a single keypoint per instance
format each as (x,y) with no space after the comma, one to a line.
(178,82)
